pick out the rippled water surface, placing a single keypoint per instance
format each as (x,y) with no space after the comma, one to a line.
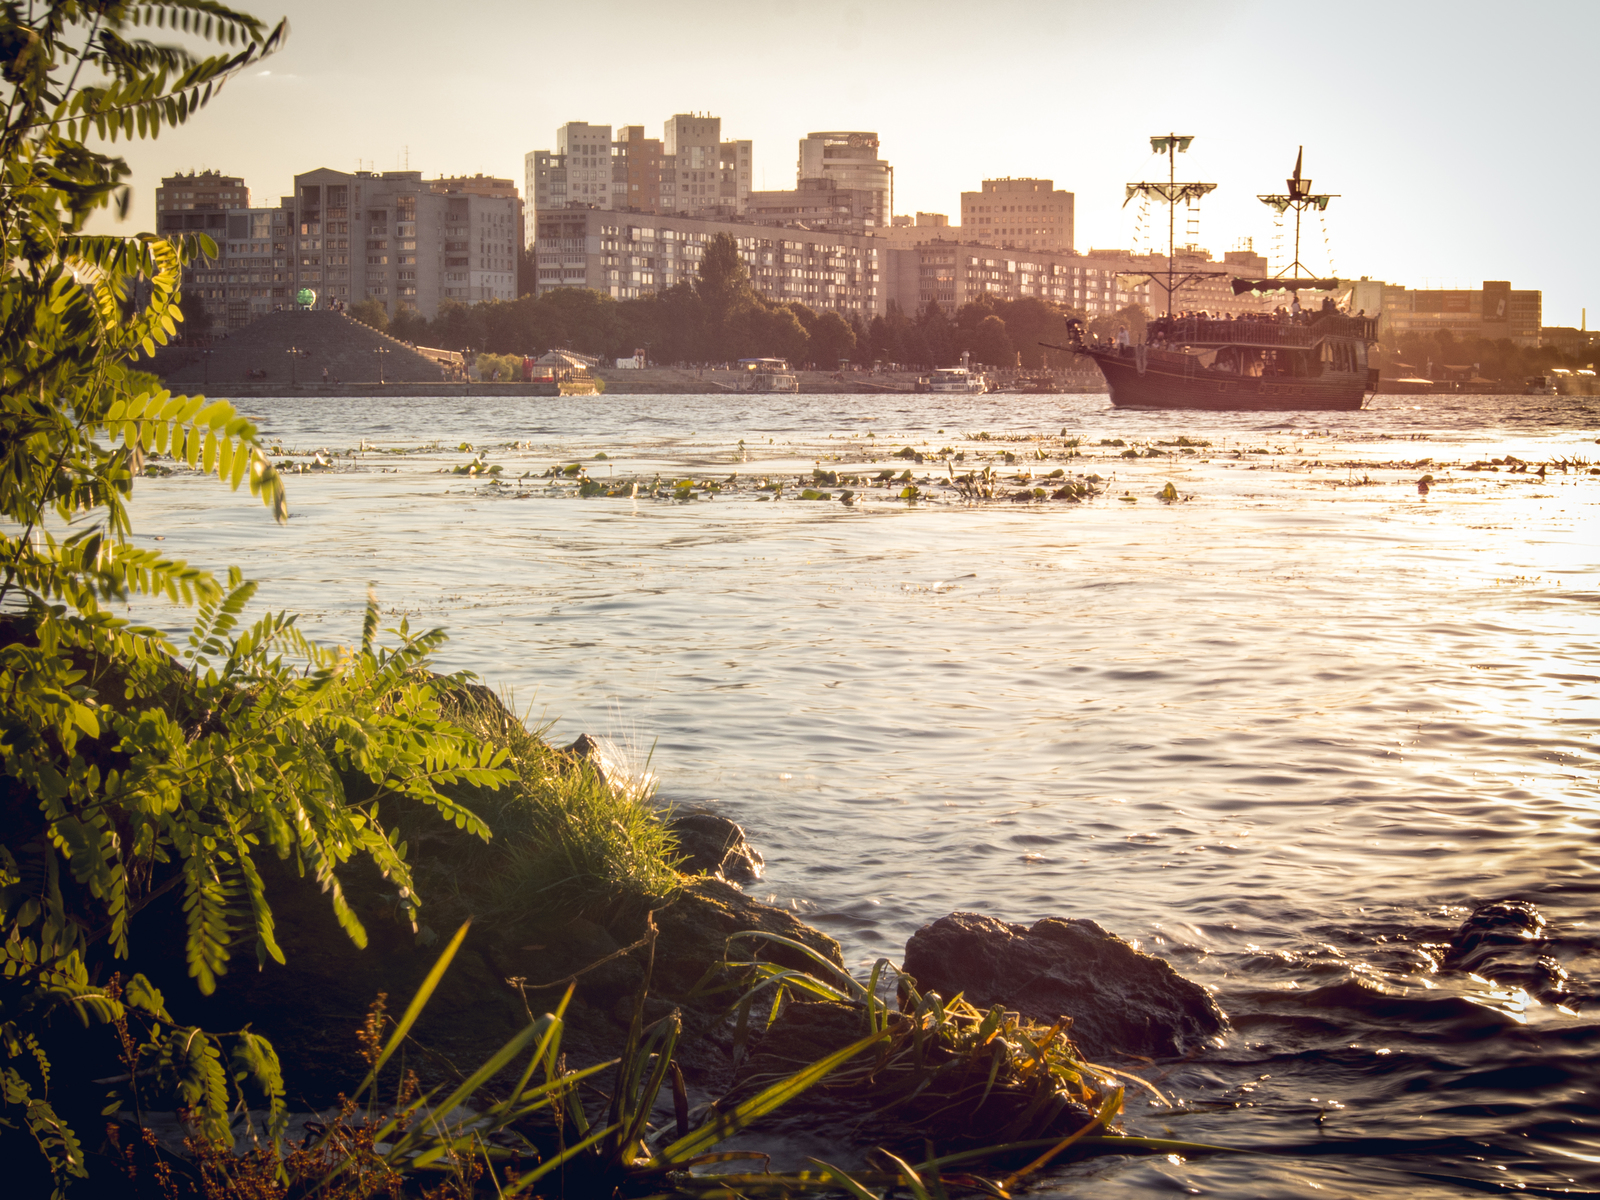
(1285,732)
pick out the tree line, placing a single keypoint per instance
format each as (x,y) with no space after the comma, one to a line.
(720,317)
(1491,358)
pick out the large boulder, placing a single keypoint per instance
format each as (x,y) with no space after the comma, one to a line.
(713,845)
(1121,1000)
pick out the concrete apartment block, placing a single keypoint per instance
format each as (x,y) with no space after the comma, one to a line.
(390,237)
(1019,214)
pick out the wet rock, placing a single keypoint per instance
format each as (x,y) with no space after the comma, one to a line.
(1507,941)
(1120,999)
(714,845)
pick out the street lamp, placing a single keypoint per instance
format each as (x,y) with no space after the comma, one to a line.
(294,360)
(205,361)
(380,351)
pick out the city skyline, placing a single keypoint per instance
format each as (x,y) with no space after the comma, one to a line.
(1400,112)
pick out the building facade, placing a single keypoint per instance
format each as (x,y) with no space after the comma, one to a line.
(954,273)
(689,169)
(1020,214)
(1494,311)
(483,185)
(238,281)
(816,204)
(631,255)
(849,159)
(853,274)
(388,236)
(200,191)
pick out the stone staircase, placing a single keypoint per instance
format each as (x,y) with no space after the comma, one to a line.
(325,340)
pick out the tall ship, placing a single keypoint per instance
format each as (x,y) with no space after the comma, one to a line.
(1289,361)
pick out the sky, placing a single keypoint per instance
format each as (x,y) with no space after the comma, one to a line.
(1457,135)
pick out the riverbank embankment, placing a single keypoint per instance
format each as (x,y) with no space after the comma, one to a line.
(650,381)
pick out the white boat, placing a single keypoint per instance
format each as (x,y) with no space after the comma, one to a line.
(961,381)
(766,375)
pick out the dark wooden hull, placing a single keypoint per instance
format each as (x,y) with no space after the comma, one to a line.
(1158,387)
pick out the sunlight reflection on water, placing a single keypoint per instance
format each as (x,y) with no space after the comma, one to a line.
(1286,705)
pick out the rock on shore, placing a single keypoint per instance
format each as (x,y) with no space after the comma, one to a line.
(1121,1000)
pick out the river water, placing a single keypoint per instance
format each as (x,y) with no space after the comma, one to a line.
(1286,731)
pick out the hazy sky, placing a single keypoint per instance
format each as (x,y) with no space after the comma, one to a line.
(1458,134)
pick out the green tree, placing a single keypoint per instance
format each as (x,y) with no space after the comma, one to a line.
(373,313)
(991,344)
(831,341)
(723,283)
(131,766)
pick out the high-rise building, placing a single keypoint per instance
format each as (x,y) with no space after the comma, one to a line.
(1020,214)
(250,272)
(390,237)
(202,191)
(850,160)
(482,185)
(1493,311)
(703,173)
(641,164)
(690,169)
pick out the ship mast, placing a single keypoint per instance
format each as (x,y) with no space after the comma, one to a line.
(1172,145)
(1299,199)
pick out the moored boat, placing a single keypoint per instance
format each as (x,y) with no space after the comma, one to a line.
(766,376)
(961,381)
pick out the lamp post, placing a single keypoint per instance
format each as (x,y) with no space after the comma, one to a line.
(205,361)
(380,351)
(294,362)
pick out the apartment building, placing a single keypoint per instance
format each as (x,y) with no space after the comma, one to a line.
(817,204)
(703,173)
(388,236)
(200,191)
(1019,214)
(853,274)
(688,169)
(641,163)
(483,185)
(1494,311)
(954,273)
(251,271)
(631,255)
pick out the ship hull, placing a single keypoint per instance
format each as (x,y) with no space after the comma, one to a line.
(1215,391)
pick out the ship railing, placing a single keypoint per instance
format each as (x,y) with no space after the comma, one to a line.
(1195,332)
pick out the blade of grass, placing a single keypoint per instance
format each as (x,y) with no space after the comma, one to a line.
(526,1181)
(725,1125)
(844,1181)
(467,1087)
(913,1181)
(414,1009)
(826,964)
(1102,1119)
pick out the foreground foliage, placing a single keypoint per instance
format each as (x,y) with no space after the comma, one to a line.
(131,766)
(560,1132)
